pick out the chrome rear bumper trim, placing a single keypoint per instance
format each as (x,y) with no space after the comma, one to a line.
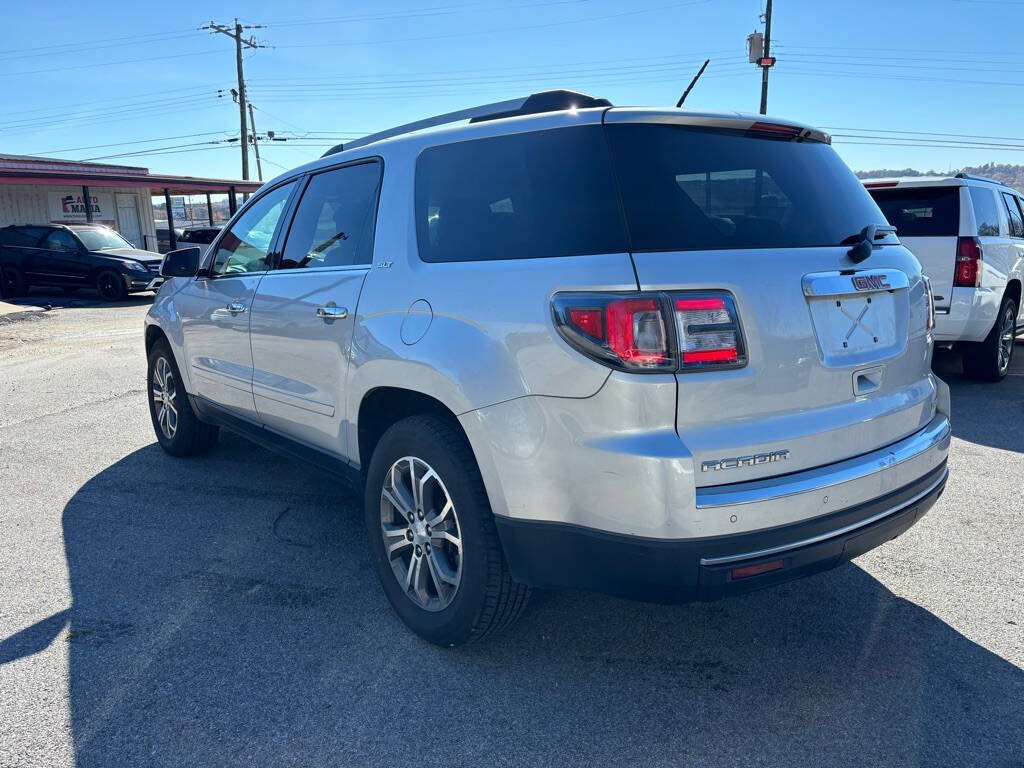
(935,436)
(829,534)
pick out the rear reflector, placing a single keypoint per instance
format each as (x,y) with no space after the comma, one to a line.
(968,263)
(755,570)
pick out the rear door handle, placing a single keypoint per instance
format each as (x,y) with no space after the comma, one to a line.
(332,312)
(236,307)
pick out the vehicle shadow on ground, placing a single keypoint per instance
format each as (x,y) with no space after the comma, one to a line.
(84,298)
(225,612)
(985,413)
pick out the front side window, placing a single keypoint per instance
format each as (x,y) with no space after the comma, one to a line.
(59,240)
(686,188)
(245,246)
(334,221)
(1016,224)
(921,211)
(530,195)
(986,211)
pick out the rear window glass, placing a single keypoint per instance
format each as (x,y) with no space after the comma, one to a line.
(986,211)
(921,212)
(686,188)
(539,194)
(23,237)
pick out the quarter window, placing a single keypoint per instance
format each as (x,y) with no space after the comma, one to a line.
(333,224)
(246,246)
(986,211)
(1016,224)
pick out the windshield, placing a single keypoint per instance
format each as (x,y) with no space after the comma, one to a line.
(686,188)
(101,239)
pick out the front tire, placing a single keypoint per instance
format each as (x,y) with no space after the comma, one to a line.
(432,535)
(178,429)
(989,360)
(111,285)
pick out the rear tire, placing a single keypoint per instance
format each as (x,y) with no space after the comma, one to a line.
(12,283)
(989,360)
(111,285)
(484,598)
(178,430)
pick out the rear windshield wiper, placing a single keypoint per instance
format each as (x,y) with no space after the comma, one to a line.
(864,241)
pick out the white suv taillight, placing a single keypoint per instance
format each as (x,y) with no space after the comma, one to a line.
(634,332)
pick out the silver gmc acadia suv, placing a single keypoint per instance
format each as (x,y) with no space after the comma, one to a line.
(664,354)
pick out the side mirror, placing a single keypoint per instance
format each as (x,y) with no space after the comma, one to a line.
(183,262)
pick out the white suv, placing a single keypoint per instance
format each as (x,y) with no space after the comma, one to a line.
(658,353)
(968,234)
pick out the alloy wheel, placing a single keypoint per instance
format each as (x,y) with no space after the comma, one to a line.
(109,289)
(1007,333)
(422,538)
(165,395)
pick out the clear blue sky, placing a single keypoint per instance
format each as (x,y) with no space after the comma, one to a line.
(76,75)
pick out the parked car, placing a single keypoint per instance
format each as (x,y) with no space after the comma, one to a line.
(968,234)
(73,257)
(163,237)
(198,236)
(660,354)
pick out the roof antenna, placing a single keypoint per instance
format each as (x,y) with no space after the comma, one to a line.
(692,83)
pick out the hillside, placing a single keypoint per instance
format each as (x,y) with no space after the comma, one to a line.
(1011,175)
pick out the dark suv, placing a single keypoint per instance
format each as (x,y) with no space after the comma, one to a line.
(72,257)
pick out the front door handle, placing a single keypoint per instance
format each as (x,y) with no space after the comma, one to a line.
(236,307)
(331,312)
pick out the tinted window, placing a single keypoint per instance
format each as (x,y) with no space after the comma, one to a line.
(922,211)
(986,212)
(25,237)
(59,240)
(244,248)
(1016,225)
(539,194)
(688,188)
(333,224)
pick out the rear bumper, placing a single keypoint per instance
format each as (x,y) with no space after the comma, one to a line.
(559,555)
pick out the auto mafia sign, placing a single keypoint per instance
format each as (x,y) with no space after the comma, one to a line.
(69,207)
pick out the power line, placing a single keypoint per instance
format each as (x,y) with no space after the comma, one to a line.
(105,64)
(128,143)
(83,48)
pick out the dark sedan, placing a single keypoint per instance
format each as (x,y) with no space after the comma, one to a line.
(73,257)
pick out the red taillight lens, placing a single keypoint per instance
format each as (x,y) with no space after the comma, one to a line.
(590,321)
(968,263)
(636,332)
(709,333)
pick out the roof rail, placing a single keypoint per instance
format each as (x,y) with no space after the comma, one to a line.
(544,101)
(962,175)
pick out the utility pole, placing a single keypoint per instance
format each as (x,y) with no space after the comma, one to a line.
(255,142)
(766,59)
(235,33)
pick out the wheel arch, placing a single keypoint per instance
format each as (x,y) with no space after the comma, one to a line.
(381,407)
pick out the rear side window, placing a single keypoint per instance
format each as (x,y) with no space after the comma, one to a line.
(687,188)
(22,237)
(333,225)
(530,195)
(986,211)
(921,211)
(1016,225)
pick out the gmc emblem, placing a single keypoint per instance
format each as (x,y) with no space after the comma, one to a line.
(870,282)
(744,461)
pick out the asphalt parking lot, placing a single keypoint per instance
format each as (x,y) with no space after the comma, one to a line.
(223,611)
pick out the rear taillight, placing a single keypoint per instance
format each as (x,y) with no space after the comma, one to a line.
(636,332)
(709,331)
(968,263)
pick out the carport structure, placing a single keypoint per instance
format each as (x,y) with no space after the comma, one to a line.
(35,190)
